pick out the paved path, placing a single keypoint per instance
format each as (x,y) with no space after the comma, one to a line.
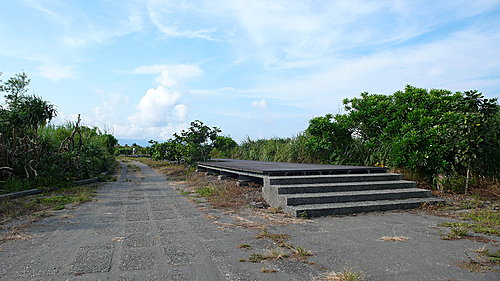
(140,228)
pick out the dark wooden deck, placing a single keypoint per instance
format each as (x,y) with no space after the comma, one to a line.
(284,169)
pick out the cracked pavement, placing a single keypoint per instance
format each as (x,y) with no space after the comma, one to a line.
(141,228)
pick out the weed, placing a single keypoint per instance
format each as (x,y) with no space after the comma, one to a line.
(276,237)
(57,202)
(13,236)
(483,227)
(346,275)
(133,168)
(455,233)
(38,205)
(185,193)
(256,258)
(242,260)
(300,251)
(244,246)
(268,270)
(205,191)
(493,257)
(275,210)
(303,215)
(276,254)
(485,260)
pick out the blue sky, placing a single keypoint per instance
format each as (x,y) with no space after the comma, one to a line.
(144,69)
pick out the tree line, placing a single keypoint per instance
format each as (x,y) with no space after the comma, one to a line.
(450,140)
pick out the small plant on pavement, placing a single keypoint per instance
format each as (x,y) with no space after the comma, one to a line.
(346,275)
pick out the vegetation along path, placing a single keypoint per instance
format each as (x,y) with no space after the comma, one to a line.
(141,227)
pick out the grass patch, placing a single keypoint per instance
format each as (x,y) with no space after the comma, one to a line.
(455,233)
(35,205)
(279,238)
(244,246)
(301,252)
(133,168)
(485,261)
(220,194)
(346,275)
(256,258)
(276,254)
(486,221)
(205,191)
(268,270)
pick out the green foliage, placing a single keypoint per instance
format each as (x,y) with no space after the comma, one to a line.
(131,150)
(33,153)
(292,150)
(190,146)
(451,139)
(223,147)
(426,132)
(328,138)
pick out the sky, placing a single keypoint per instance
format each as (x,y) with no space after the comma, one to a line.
(144,69)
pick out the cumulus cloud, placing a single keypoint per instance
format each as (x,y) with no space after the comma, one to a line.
(154,107)
(160,111)
(180,112)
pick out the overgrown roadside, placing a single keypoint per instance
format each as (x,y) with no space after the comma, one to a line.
(18,213)
(474,217)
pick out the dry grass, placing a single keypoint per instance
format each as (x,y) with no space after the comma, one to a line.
(30,206)
(268,270)
(277,218)
(346,275)
(242,222)
(394,238)
(221,194)
(66,216)
(118,239)
(14,236)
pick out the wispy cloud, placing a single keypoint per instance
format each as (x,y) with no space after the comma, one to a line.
(56,72)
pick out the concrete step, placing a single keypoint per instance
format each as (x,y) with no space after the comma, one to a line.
(289,180)
(353,196)
(315,210)
(342,187)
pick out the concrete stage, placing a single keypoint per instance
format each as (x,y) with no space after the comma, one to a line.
(261,168)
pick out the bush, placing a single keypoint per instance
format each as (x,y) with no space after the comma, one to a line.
(33,153)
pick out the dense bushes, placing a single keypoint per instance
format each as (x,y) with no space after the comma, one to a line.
(190,146)
(436,135)
(34,153)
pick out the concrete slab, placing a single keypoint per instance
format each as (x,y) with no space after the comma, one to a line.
(275,168)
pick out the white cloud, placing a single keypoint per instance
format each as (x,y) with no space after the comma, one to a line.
(177,72)
(56,72)
(182,19)
(154,108)
(260,104)
(106,110)
(160,112)
(180,112)
(459,62)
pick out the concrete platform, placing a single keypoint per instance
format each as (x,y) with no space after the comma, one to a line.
(318,190)
(286,169)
